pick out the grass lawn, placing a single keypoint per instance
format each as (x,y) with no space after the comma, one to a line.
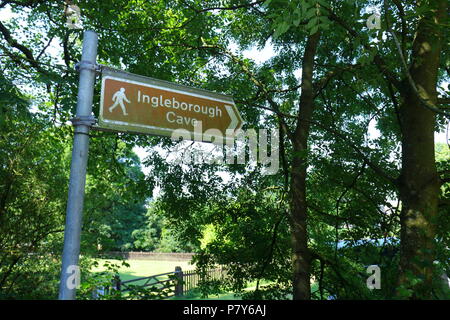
(143,268)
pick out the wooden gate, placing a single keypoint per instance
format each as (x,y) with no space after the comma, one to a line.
(176,283)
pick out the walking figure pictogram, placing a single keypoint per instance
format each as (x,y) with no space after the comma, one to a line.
(118,99)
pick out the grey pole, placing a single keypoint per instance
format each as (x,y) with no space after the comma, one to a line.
(83,120)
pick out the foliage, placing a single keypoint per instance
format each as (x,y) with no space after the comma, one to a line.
(230,214)
(34,171)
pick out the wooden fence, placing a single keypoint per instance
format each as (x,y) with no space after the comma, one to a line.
(191,279)
(176,283)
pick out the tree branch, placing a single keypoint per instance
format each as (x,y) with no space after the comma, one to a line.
(443,101)
(379,171)
(379,62)
(27,52)
(240,6)
(253,78)
(271,248)
(401,12)
(29,3)
(44,48)
(424,102)
(323,82)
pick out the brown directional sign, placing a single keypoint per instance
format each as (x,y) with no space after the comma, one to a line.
(135,103)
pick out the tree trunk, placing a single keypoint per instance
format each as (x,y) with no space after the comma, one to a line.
(299,233)
(419,182)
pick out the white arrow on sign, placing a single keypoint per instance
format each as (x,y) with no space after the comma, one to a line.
(234,118)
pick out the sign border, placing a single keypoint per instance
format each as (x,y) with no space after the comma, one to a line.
(115,125)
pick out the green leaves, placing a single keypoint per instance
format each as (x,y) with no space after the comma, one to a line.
(367,56)
(281,29)
(312,14)
(316,14)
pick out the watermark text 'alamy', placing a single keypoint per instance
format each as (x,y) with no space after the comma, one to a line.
(233,147)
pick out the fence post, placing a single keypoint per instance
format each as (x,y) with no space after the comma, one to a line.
(179,282)
(116,283)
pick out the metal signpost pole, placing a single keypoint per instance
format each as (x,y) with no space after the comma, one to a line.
(83,120)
